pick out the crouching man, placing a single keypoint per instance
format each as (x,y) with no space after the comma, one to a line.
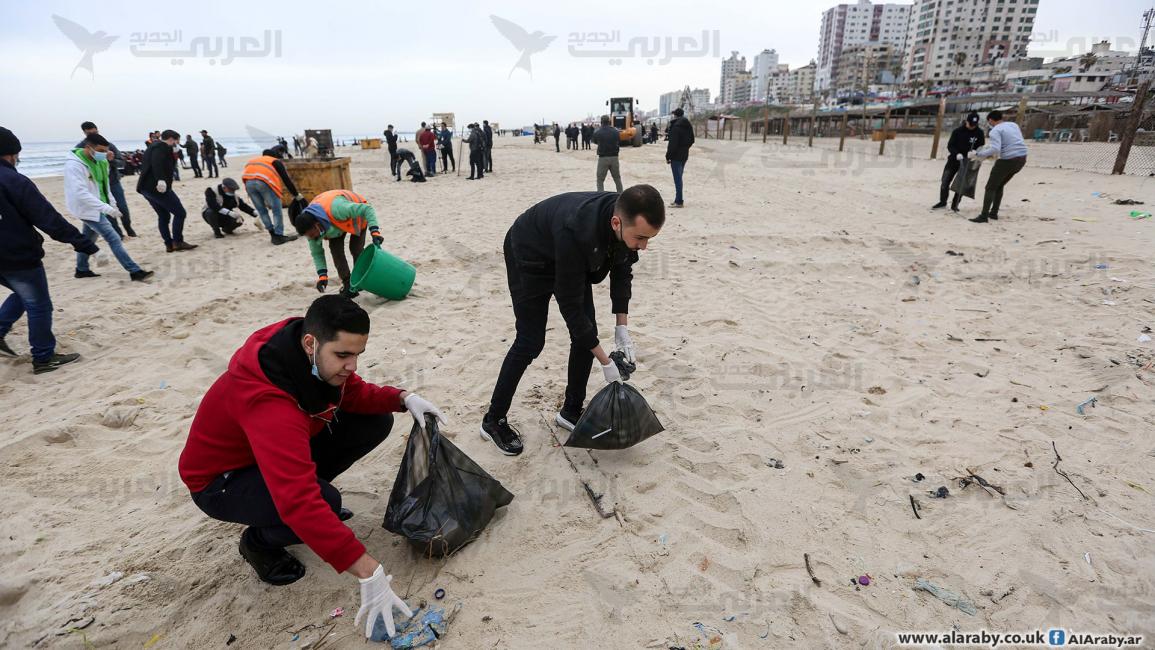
(288,416)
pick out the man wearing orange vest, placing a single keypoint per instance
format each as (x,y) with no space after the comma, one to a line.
(265,179)
(332,215)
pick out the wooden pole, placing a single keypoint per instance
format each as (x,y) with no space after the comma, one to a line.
(765,124)
(1128,136)
(785,128)
(745,129)
(885,127)
(813,117)
(842,133)
(1021,116)
(938,126)
(719,129)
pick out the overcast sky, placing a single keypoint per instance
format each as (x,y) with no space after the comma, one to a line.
(355,66)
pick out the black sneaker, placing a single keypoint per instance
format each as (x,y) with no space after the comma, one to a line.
(940,204)
(5,350)
(86,274)
(507,439)
(954,207)
(993,217)
(982,218)
(52,363)
(568,419)
(276,567)
(140,276)
(344,514)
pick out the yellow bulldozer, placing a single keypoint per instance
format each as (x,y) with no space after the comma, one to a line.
(622,117)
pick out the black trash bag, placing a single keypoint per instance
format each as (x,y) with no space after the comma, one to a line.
(441,499)
(297,206)
(618,417)
(967,178)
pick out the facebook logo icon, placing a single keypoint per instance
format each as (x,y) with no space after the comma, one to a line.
(1056,636)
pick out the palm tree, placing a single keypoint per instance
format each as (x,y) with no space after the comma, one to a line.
(959,59)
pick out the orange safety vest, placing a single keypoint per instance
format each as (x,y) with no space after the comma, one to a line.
(325,200)
(261,169)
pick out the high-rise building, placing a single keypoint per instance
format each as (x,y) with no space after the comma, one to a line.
(667,102)
(948,39)
(846,25)
(801,80)
(765,62)
(737,87)
(778,85)
(868,67)
(730,67)
(700,97)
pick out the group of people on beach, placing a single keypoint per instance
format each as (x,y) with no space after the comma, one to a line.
(433,139)
(967,146)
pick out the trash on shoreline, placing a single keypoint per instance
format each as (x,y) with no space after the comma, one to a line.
(945,595)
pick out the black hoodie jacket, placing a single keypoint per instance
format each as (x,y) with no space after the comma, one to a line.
(964,140)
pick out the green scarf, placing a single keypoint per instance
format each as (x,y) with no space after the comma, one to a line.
(99,171)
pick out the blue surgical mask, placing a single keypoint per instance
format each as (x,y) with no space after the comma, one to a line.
(316,371)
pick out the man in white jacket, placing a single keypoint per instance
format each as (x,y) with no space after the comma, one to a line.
(87,195)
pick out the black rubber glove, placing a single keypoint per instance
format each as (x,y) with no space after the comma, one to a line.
(322,283)
(378,240)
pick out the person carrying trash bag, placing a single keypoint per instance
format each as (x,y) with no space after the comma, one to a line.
(618,417)
(965,139)
(337,215)
(561,247)
(288,416)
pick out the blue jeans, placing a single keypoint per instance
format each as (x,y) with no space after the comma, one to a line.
(265,199)
(677,166)
(121,202)
(431,162)
(167,204)
(104,229)
(29,293)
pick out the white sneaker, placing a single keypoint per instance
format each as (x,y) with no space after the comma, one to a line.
(564,423)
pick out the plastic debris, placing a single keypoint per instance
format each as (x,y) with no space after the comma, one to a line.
(775,463)
(231,640)
(940,493)
(439,594)
(949,597)
(663,539)
(868,439)
(1127,202)
(426,626)
(918,477)
(1087,402)
(864,580)
(337,612)
(730,618)
(108,579)
(1139,214)
(1101,266)
(1144,338)
(163,384)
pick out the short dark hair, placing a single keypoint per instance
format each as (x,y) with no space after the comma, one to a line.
(678,112)
(334,313)
(84,126)
(303,222)
(641,201)
(995,115)
(605,120)
(390,126)
(169,133)
(95,140)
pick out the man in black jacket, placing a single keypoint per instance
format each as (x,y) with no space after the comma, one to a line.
(209,154)
(487,131)
(609,141)
(192,151)
(966,138)
(23,209)
(116,162)
(561,247)
(556,137)
(155,185)
(391,143)
(678,151)
(223,207)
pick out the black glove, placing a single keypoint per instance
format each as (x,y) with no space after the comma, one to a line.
(378,240)
(89,249)
(322,282)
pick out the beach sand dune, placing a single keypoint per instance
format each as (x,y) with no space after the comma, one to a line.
(804,308)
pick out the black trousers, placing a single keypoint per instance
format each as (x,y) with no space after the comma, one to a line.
(336,249)
(476,164)
(192,160)
(241,496)
(393,160)
(211,166)
(1001,174)
(531,290)
(447,157)
(488,159)
(219,222)
(556,145)
(948,174)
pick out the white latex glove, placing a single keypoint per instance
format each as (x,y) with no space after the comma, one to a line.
(959,156)
(610,372)
(378,599)
(225,212)
(113,212)
(623,342)
(418,407)
(161,187)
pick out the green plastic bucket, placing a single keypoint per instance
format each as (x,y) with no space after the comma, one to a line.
(378,272)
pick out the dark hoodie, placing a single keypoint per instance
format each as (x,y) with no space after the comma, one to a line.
(568,238)
(964,140)
(263,411)
(681,139)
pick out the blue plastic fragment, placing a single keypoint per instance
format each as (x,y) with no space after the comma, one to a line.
(423,628)
(1090,401)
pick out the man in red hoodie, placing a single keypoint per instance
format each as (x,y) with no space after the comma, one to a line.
(428,143)
(288,416)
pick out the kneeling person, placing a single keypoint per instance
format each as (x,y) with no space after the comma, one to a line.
(222,211)
(288,416)
(561,247)
(335,215)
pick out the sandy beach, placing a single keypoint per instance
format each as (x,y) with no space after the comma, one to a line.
(805,307)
